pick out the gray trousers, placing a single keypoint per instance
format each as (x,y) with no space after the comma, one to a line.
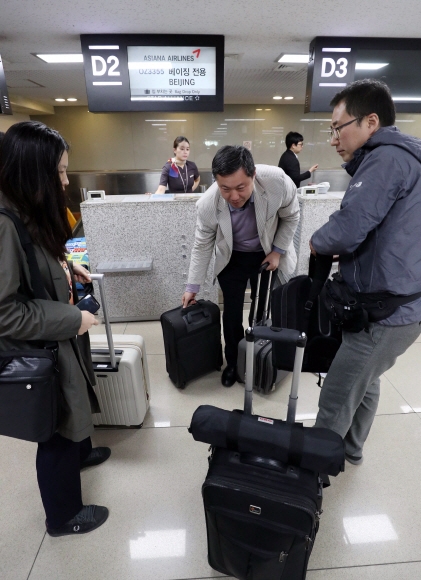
(350,394)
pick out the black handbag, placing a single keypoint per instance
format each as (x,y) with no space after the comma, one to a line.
(29,384)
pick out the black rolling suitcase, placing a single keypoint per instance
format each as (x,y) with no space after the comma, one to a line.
(266,375)
(192,341)
(262,515)
(297,305)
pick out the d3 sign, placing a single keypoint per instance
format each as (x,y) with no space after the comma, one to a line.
(329,67)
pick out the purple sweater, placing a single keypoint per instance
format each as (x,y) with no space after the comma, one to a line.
(245,237)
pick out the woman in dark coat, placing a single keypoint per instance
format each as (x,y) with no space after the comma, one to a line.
(33,164)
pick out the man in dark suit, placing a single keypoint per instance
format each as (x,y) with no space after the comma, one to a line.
(289,160)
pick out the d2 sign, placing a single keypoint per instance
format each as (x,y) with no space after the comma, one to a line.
(99,66)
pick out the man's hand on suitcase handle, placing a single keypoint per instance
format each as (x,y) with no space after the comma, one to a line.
(272,260)
(263,267)
(187,298)
(313,251)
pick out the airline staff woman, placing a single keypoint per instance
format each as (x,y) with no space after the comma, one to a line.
(179,175)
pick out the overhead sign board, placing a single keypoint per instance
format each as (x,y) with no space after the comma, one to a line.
(154,72)
(334,62)
(5,107)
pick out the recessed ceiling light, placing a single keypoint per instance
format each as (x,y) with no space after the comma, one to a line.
(259,109)
(71,99)
(268,109)
(288,98)
(294,58)
(276,97)
(245,119)
(60,100)
(60,58)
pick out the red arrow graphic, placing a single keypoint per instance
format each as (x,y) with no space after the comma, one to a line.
(197,52)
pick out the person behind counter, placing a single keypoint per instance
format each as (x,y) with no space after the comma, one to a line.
(289,160)
(179,175)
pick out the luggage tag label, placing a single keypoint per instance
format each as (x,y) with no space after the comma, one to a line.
(265,420)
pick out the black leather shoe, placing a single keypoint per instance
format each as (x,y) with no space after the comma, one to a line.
(97,455)
(229,376)
(89,518)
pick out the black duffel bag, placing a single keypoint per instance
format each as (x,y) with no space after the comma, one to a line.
(314,448)
(29,384)
(353,311)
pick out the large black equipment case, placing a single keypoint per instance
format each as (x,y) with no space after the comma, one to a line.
(192,340)
(297,305)
(262,515)
(266,375)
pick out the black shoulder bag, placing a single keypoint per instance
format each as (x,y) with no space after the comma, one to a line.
(353,311)
(29,386)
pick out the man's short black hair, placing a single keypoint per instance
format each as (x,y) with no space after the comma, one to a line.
(293,138)
(368,96)
(230,159)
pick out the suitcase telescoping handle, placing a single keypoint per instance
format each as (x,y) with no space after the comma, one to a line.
(256,299)
(283,335)
(100,279)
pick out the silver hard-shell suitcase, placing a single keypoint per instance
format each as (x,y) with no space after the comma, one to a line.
(121,371)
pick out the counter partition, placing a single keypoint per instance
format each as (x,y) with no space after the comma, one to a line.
(143,246)
(314,213)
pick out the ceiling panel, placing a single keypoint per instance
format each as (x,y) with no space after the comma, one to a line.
(258,31)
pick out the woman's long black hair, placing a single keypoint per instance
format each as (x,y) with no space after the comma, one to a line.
(30,153)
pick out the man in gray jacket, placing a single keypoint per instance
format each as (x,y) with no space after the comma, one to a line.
(377,235)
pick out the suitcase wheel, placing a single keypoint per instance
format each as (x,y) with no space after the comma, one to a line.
(180,385)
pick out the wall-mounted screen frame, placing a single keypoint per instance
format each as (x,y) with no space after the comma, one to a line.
(5,107)
(154,72)
(335,62)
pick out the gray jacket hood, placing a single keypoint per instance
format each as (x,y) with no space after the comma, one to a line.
(385,136)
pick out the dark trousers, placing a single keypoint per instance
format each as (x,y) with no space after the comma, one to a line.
(58,472)
(233,279)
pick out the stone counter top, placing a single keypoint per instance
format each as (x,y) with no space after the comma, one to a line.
(322,196)
(182,198)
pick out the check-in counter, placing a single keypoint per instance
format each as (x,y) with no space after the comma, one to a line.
(314,213)
(144,246)
(127,233)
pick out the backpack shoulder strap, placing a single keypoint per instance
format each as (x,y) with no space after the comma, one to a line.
(28,247)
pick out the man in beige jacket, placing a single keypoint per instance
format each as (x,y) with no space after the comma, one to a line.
(246,218)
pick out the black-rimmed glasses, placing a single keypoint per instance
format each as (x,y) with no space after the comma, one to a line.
(335,132)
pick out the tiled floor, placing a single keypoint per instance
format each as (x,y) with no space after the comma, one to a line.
(151,484)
